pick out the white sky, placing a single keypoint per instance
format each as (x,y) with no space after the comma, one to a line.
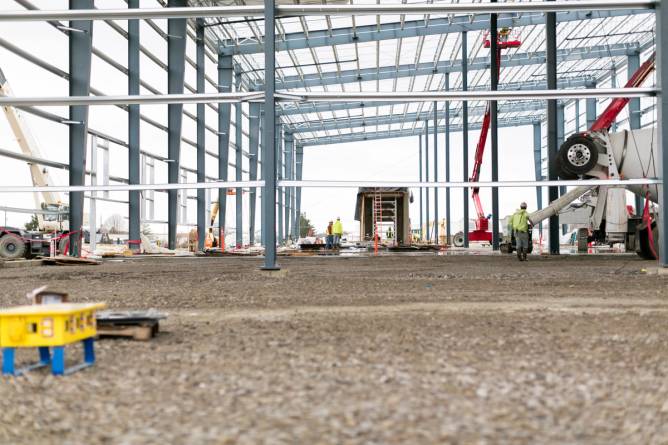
(387,160)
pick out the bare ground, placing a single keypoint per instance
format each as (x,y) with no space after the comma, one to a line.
(419,350)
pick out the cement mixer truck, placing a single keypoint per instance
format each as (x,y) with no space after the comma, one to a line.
(599,154)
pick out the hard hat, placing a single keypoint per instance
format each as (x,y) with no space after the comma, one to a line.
(523,205)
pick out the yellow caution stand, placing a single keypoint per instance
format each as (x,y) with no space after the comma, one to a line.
(45,326)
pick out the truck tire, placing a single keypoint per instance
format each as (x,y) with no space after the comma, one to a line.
(458,239)
(582,240)
(578,155)
(644,248)
(12,247)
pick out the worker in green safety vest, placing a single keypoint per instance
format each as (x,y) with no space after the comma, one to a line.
(520,224)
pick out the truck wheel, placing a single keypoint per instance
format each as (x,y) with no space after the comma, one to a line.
(583,240)
(12,247)
(578,154)
(561,172)
(644,249)
(458,239)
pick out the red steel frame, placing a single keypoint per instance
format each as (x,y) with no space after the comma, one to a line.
(481,232)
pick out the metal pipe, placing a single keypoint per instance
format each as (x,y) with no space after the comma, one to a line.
(338,184)
(304,10)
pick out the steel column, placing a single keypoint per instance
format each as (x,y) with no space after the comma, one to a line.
(635,115)
(436,225)
(176,52)
(561,131)
(280,176)
(299,164)
(662,80)
(494,126)
(201,137)
(80,51)
(426,176)
(269,163)
(253,142)
(224,116)
(289,160)
(552,122)
(238,161)
(537,165)
(134,198)
(465,137)
(263,225)
(420,163)
(590,108)
(448,227)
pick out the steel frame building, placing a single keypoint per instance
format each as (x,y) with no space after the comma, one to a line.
(275,57)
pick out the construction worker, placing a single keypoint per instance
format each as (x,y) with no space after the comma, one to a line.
(520,223)
(329,236)
(338,232)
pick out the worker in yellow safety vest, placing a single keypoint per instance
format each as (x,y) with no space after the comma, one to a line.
(338,232)
(520,224)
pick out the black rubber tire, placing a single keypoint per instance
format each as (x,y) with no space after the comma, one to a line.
(563,174)
(644,249)
(578,155)
(12,247)
(582,240)
(458,239)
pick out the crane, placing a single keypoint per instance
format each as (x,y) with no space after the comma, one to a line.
(481,232)
(16,243)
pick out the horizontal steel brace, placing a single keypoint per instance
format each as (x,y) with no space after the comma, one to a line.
(304,10)
(339,184)
(411,28)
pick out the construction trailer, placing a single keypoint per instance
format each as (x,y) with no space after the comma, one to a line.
(383,209)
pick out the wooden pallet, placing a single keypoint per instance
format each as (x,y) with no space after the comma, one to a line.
(142,332)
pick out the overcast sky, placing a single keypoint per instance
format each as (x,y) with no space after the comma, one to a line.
(386,160)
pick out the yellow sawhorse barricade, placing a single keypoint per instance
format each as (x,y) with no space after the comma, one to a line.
(45,326)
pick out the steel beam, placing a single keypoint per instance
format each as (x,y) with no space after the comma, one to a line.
(590,109)
(407,132)
(289,159)
(538,165)
(225,72)
(239,196)
(494,126)
(201,136)
(269,163)
(299,169)
(176,51)
(420,170)
(662,81)
(448,228)
(253,142)
(552,122)
(412,28)
(280,177)
(635,115)
(426,177)
(453,66)
(465,136)
(80,51)
(436,224)
(134,125)
(561,131)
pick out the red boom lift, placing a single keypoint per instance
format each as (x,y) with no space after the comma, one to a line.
(481,232)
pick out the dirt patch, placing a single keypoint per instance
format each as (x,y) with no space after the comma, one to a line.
(419,349)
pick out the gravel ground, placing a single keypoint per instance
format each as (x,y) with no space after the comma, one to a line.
(397,349)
